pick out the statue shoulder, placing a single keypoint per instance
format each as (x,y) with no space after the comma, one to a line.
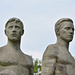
(3,48)
(0,48)
(29,59)
(51,51)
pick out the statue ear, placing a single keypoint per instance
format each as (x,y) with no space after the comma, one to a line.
(57,32)
(22,32)
(5,31)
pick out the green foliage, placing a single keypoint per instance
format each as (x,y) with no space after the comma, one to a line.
(37,65)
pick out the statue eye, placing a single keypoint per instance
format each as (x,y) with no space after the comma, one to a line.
(10,27)
(17,27)
(73,29)
(67,28)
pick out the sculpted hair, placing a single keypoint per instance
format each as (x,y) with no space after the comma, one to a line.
(58,24)
(16,20)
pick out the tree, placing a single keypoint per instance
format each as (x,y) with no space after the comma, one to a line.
(37,65)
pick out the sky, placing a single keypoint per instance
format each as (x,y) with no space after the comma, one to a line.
(39,18)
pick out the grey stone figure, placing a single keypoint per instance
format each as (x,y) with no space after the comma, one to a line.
(57,59)
(12,60)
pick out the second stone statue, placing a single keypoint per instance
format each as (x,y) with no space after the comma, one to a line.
(57,59)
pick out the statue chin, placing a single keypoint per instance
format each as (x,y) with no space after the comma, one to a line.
(7,72)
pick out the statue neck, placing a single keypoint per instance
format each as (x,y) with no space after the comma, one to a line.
(13,45)
(63,43)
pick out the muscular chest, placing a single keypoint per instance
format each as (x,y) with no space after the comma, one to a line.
(8,58)
(65,57)
(65,69)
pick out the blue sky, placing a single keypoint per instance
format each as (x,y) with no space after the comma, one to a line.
(39,18)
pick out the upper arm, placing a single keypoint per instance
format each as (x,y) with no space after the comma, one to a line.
(48,66)
(31,71)
(49,61)
(31,68)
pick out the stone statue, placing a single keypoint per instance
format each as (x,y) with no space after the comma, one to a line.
(12,60)
(57,59)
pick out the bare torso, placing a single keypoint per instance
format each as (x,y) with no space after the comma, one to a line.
(15,61)
(65,63)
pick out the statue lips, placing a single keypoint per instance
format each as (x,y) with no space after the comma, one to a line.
(14,35)
(71,36)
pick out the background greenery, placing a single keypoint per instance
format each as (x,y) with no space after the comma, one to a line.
(37,65)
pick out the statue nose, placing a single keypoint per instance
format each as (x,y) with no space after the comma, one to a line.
(71,31)
(14,29)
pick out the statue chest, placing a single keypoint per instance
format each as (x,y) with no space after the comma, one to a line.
(8,58)
(64,57)
(17,69)
(67,69)
(14,61)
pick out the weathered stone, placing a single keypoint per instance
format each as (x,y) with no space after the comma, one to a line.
(12,60)
(57,59)
(7,72)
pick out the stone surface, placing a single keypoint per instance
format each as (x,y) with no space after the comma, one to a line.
(12,60)
(57,59)
(7,72)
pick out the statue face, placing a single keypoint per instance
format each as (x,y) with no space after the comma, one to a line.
(14,31)
(66,31)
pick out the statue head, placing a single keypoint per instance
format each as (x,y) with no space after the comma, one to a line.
(14,29)
(65,29)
